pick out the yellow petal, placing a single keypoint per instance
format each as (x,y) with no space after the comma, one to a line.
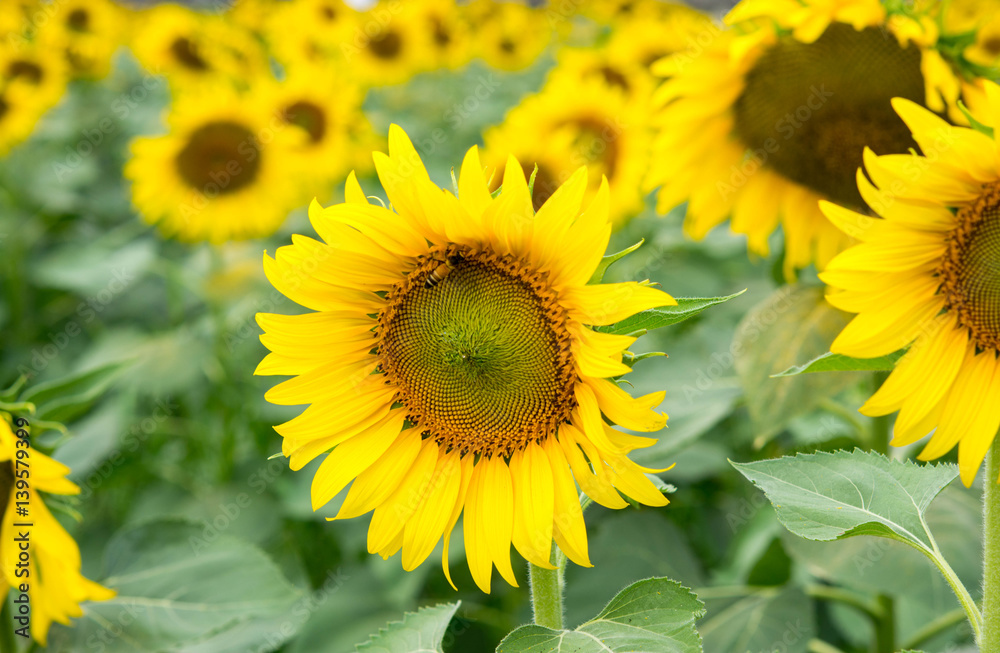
(423,530)
(467,466)
(389,518)
(377,483)
(534,503)
(622,409)
(568,530)
(608,303)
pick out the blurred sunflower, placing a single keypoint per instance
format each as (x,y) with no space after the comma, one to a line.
(57,587)
(327,110)
(448,365)
(646,38)
(925,276)
(509,35)
(32,80)
(450,38)
(88,32)
(225,171)
(310,33)
(607,132)
(192,49)
(388,45)
(773,115)
(602,65)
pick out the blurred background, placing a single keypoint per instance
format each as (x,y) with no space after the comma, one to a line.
(142,339)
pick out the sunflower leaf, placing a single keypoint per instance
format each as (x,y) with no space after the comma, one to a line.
(655,318)
(830,362)
(758,619)
(656,614)
(831,496)
(66,398)
(608,260)
(418,632)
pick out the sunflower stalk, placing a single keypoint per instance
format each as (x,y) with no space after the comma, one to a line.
(990,641)
(547,591)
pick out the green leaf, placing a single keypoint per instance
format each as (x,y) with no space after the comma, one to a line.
(759,620)
(66,398)
(184,585)
(418,632)
(655,614)
(829,496)
(654,318)
(830,362)
(793,324)
(608,260)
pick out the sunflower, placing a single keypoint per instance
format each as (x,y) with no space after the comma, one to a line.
(608,130)
(925,277)
(761,121)
(56,587)
(602,65)
(32,80)
(222,173)
(450,364)
(646,37)
(509,35)
(312,33)
(450,37)
(327,111)
(388,44)
(192,49)
(88,32)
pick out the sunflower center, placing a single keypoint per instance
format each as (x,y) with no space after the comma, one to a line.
(78,20)
(4,107)
(508,46)
(812,108)
(219,158)
(309,117)
(185,52)
(970,271)
(26,70)
(614,77)
(386,45)
(442,37)
(479,350)
(597,142)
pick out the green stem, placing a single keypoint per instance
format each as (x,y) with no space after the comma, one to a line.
(885,628)
(7,643)
(547,592)
(831,593)
(933,629)
(880,425)
(990,641)
(968,604)
(819,646)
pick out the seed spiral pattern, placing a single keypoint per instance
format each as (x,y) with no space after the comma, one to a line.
(970,270)
(482,360)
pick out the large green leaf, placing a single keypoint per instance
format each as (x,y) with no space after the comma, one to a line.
(830,362)
(68,397)
(793,324)
(225,596)
(828,496)
(654,615)
(654,318)
(419,632)
(758,621)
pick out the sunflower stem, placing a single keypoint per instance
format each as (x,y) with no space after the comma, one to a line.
(7,643)
(885,628)
(547,592)
(990,642)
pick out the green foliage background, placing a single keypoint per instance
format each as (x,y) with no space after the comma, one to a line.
(213,547)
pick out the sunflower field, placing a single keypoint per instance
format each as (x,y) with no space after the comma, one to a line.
(683,319)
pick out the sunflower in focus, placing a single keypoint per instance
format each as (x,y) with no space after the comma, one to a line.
(57,587)
(327,111)
(192,49)
(222,172)
(607,131)
(925,276)
(763,120)
(88,32)
(451,366)
(509,35)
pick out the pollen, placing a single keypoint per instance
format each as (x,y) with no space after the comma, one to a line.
(482,359)
(970,270)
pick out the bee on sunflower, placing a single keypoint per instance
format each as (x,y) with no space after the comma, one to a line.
(57,587)
(451,365)
(924,276)
(770,116)
(222,172)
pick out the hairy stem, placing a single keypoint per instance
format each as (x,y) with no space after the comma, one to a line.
(990,641)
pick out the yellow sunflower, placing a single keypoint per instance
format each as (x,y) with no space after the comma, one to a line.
(55,585)
(192,49)
(925,276)
(388,44)
(450,37)
(509,35)
(609,133)
(313,33)
(451,367)
(88,32)
(602,65)
(32,80)
(327,110)
(645,37)
(225,171)
(761,121)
